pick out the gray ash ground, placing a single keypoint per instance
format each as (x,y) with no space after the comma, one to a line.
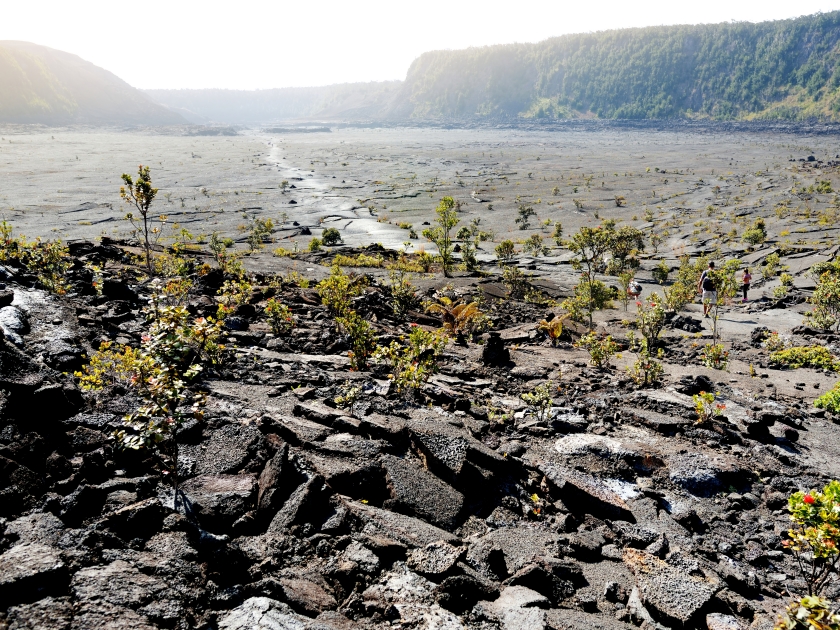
(461,510)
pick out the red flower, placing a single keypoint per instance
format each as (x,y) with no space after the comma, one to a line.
(808,499)
(412,324)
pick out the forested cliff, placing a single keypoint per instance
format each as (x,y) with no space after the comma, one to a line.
(783,69)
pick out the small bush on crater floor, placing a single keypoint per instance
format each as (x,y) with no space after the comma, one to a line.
(601,350)
(814,538)
(830,401)
(714,356)
(362,338)
(540,400)
(412,360)
(806,356)
(338,289)
(279,317)
(331,236)
(809,613)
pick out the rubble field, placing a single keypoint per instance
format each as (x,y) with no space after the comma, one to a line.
(461,505)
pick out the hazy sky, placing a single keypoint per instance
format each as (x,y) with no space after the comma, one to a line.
(248,44)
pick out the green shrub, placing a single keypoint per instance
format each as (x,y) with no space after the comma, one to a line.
(809,613)
(403,293)
(757,234)
(523,219)
(315,245)
(624,245)
(48,260)
(471,236)
(601,350)
(771,266)
(557,234)
(826,300)
(349,397)
(715,356)
(590,245)
(515,281)
(172,355)
(661,272)
(814,538)
(412,360)
(806,356)
(362,260)
(294,278)
(646,371)
(168,265)
(441,234)
(678,295)
(540,400)
(505,251)
(706,408)
(331,236)
(232,293)
(279,317)
(580,304)
(830,401)
(140,194)
(650,319)
(259,232)
(775,342)
(362,339)
(534,245)
(338,289)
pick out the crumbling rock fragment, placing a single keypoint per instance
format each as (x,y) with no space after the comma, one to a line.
(357,477)
(262,613)
(517,608)
(7,296)
(667,592)
(270,492)
(50,613)
(306,594)
(718,621)
(587,494)
(503,552)
(402,592)
(228,450)
(409,531)
(30,571)
(554,578)
(700,475)
(494,353)
(419,493)
(295,509)
(459,593)
(218,500)
(434,559)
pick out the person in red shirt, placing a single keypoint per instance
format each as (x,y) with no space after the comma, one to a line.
(747,278)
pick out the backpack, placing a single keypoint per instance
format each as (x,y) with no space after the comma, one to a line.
(708,283)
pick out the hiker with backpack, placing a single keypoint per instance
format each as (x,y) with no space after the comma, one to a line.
(706,287)
(634,289)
